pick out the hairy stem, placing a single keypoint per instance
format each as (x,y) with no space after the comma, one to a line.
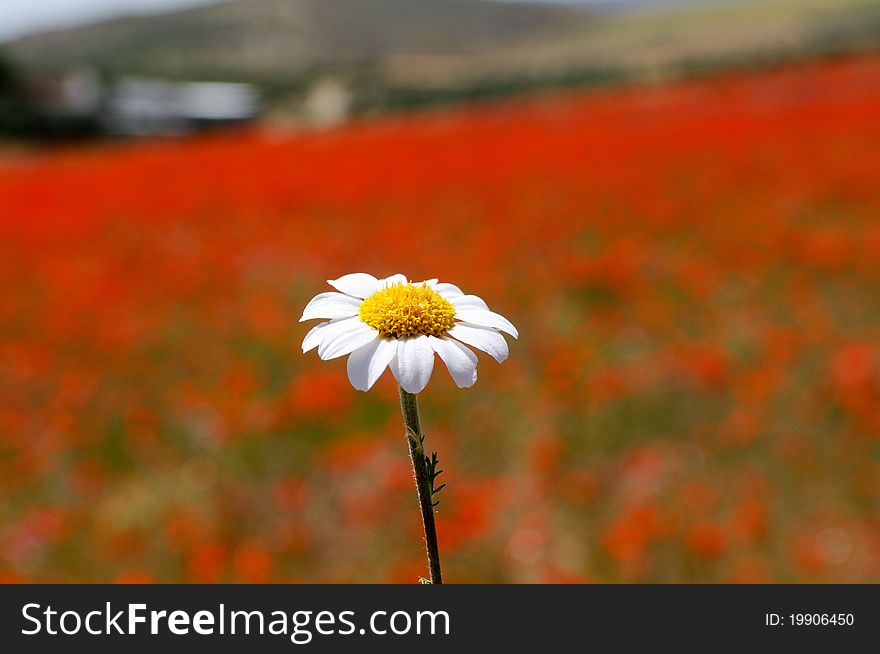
(409,405)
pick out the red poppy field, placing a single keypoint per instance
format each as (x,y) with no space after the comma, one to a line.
(694,270)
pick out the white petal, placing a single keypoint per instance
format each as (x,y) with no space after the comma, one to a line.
(448,291)
(394,279)
(357,284)
(367,363)
(346,338)
(393,367)
(414,363)
(318,333)
(465,302)
(331,305)
(484,318)
(487,340)
(429,282)
(461,362)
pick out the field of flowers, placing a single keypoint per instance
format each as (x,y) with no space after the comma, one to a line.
(694,270)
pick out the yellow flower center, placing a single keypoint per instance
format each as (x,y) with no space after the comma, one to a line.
(402,310)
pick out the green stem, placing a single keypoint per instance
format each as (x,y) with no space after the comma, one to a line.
(409,405)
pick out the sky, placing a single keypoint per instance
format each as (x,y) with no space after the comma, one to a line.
(19,17)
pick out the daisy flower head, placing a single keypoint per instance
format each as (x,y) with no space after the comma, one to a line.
(398,324)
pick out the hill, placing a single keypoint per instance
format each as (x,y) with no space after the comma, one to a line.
(397,53)
(274,39)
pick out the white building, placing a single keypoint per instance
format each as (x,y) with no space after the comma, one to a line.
(143,106)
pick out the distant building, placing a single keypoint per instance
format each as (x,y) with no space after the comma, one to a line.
(327,103)
(144,106)
(79,103)
(76,94)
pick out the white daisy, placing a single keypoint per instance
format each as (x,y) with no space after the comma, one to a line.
(396,323)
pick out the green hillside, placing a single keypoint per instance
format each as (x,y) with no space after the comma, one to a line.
(395,53)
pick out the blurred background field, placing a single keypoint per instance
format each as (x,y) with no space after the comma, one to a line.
(677,205)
